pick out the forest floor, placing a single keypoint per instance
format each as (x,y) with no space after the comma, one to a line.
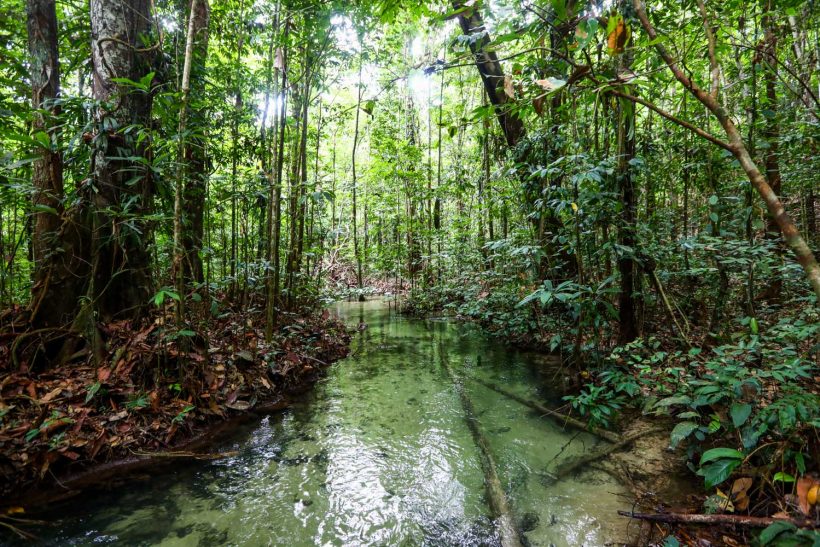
(73,426)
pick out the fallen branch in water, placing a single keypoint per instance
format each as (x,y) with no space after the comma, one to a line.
(499,505)
(191,455)
(696,518)
(568,420)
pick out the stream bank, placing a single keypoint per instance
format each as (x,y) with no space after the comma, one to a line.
(152,403)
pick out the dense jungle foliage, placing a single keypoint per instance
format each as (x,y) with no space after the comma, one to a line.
(629,185)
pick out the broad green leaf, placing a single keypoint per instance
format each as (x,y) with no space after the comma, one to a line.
(40,208)
(717,472)
(782,477)
(773,530)
(721,453)
(681,431)
(740,413)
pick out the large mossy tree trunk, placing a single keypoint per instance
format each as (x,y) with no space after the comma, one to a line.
(121,188)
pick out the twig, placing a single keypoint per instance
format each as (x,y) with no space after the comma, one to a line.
(738,520)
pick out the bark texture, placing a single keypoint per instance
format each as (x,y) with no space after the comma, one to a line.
(121,47)
(59,239)
(195,156)
(492,75)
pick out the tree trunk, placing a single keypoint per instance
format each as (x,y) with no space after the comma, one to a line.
(353,169)
(121,47)
(55,290)
(626,130)
(771,134)
(272,311)
(194,154)
(492,75)
(179,250)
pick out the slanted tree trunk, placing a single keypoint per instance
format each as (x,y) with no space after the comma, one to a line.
(122,193)
(492,75)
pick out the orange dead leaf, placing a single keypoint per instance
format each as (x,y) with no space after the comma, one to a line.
(740,493)
(618,37)
(50,395)
(806,486)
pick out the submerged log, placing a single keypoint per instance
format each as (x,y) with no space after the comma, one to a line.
(737,520)
(568,467)
(568,420)
(499,504)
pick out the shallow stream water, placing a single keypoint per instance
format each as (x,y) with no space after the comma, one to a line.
(379,453)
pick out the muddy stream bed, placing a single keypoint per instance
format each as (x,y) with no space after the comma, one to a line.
(379,453)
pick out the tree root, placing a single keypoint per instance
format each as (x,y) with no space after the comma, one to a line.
(189,455)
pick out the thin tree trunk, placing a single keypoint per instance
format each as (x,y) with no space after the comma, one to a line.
(179,251)
(353,169)
(273,290)
(194,156)
(771,133)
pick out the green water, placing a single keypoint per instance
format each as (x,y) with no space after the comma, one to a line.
(378,454)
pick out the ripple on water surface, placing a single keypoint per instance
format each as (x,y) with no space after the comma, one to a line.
(379,454)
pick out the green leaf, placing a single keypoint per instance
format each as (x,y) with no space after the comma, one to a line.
(768,535)
(782,477)
(740,413)
(40,208)
(721,453)
(717,472)
(92,390)
(560,7)
(676,400)
(713,200)
(32,434)
(753,325)
(681,431)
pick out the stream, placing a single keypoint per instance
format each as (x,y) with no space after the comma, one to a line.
(378,453)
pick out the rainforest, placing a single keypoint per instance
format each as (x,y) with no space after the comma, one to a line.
(378,272)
